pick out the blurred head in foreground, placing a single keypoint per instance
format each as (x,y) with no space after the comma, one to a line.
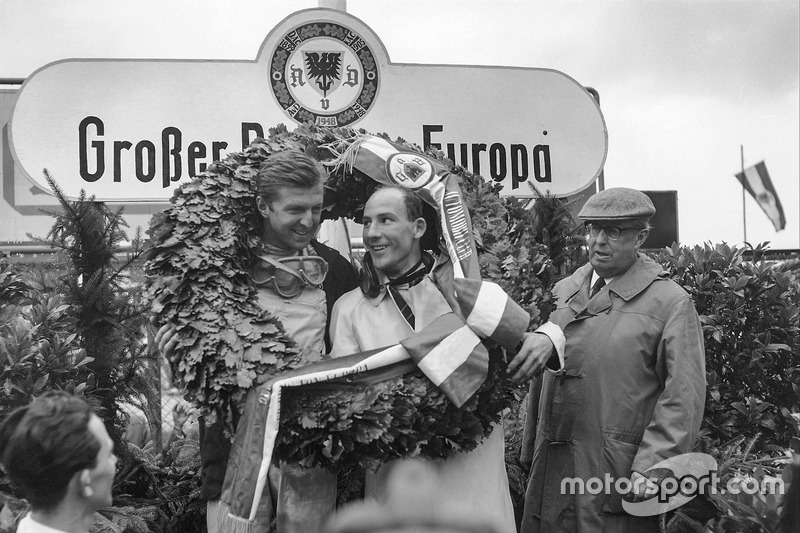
(59,456)
(414,504)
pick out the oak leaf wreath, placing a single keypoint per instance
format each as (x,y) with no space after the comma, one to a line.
(197,268)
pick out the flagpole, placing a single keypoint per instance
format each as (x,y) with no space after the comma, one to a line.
(744,213)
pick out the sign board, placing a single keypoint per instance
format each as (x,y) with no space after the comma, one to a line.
(665,221)
(131,130)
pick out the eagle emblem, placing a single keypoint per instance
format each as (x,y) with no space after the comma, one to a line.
(324,70)
(325,74)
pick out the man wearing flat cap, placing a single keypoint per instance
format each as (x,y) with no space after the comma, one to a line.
(629,388)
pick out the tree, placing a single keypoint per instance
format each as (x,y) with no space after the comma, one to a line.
(109,317)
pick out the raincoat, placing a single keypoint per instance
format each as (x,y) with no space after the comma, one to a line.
(630,395)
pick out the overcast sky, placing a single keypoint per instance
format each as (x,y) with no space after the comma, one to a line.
(682,83)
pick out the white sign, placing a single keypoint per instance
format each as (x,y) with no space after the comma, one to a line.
(132,130)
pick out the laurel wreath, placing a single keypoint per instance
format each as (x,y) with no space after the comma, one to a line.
(197,280)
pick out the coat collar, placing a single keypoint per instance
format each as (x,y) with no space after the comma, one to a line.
(626,285)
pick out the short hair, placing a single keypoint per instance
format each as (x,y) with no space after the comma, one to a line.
(288,169)
(411,200)
(43,444)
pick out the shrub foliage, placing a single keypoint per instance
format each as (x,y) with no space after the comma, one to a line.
(39,348)
(749,311)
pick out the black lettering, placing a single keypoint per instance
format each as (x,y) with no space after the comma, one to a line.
(119,146)
(464,150)
(451,152)
(247,128)
(541,154)
(464,154)
(141,175)
(427,129)
(98,146)
(497,162)
(468,155)
(170,149)
(196,150)
(216,148)
(476,157)
(519,165)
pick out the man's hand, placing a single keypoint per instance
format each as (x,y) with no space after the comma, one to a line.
(166,340)
(180,414)
(532,357)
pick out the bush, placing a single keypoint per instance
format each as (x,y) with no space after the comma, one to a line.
(39,348)
(749,311)
(743,512)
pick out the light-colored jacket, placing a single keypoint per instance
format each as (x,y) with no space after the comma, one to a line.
(630,395)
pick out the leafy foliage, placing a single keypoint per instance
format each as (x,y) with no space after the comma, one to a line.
(158,495)
(403,417)
(13,287)
(749,311)
(555,228)
(39,351)
(735,506)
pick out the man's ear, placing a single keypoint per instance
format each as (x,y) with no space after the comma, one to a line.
(262,205)
(642,237)
(84,482)
(421,226)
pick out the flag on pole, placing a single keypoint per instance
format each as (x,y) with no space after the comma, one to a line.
(756,181)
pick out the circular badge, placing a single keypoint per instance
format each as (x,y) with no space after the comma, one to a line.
(410,170)
(324,73)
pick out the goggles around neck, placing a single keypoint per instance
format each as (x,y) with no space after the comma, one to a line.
(288,276)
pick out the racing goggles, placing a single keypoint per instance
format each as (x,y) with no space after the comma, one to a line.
(289,275)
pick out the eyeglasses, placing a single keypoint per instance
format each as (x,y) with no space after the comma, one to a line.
(289,275)
(612,232)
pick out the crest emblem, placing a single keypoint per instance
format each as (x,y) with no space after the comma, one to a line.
(765,197)
(411,170)
(324,70)
(324,73)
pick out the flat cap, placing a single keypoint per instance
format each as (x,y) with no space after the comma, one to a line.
(618,203)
